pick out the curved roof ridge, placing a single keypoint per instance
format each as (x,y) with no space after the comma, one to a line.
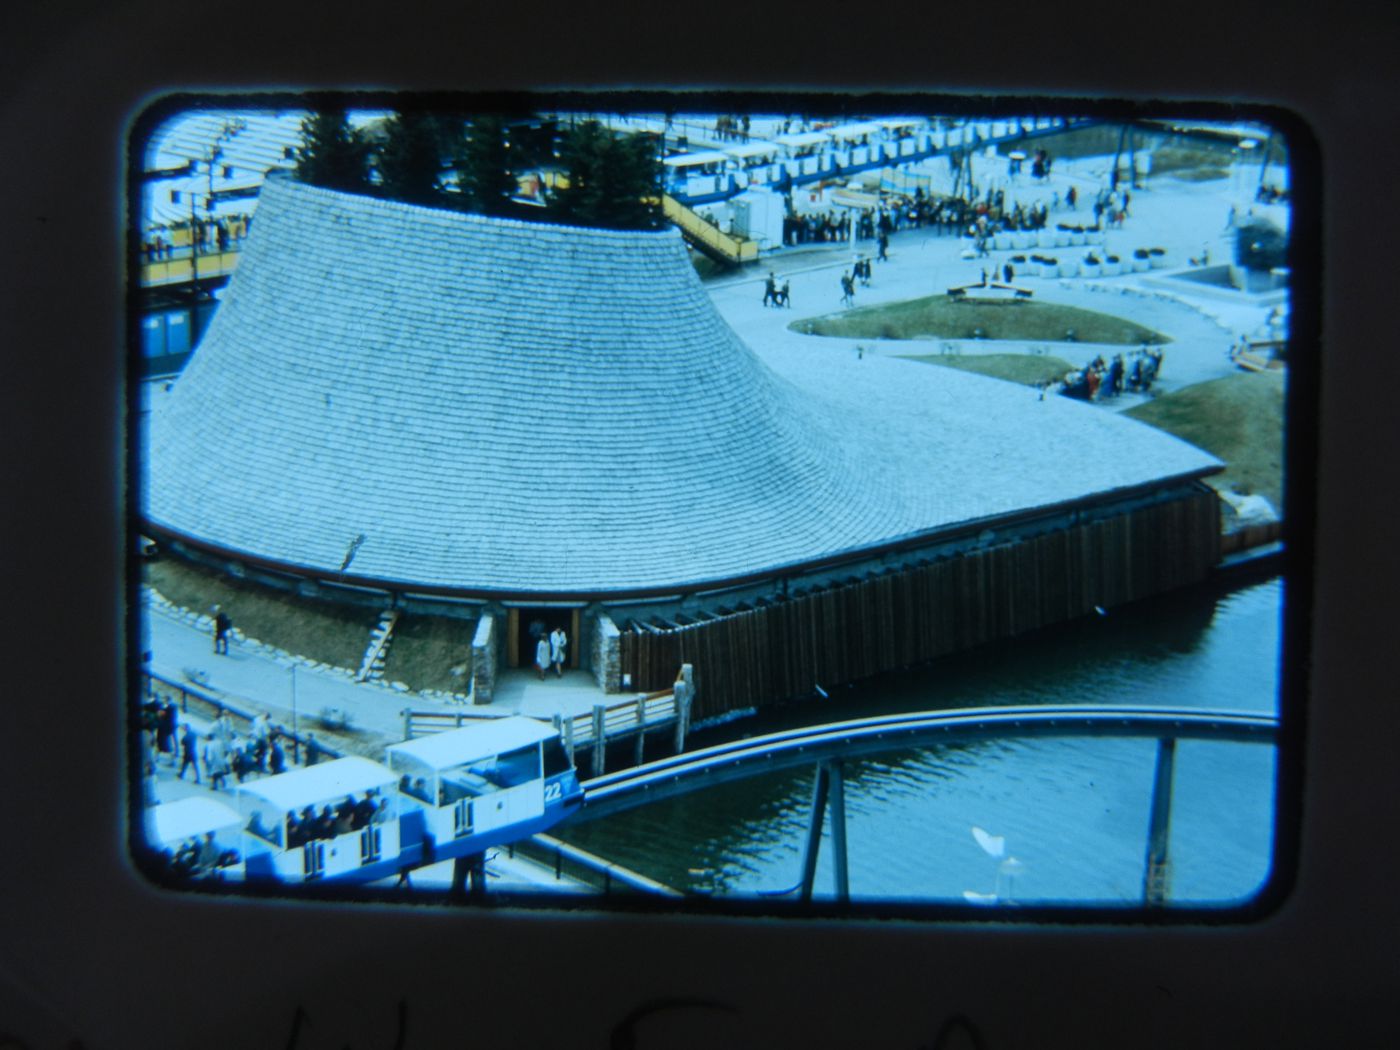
(285,177)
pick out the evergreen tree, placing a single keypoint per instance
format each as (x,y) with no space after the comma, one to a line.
(333,154)
(613,180)
(410,159)
(485,171)
(1260,245)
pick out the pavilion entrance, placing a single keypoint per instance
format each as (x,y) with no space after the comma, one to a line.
(525,625)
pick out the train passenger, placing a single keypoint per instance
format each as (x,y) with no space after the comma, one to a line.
(364,810)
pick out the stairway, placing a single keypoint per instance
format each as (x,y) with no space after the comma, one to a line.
(372,668)
(719,246)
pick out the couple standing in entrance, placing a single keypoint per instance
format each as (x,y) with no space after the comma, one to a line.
(549,652)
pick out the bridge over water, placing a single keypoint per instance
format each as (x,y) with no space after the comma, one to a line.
(827,746)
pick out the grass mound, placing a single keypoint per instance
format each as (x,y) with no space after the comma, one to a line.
(424,650)
(1029,369)
(939,317)
(1238,419)
(319,630)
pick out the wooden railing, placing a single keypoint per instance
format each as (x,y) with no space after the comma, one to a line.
(632,717)
(618,718)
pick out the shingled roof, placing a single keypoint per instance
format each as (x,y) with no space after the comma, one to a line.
(455,401)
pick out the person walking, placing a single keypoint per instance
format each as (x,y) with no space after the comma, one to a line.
(189,749)
(770,290)
(216,761)
(541,656)
(848,289)
(314,751)
(276,756)
(165,729)
(558,641)
(222,626)
(259,733)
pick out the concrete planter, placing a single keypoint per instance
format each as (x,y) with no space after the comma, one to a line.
(1141,265)
(1077,238)
(1112,269)
(1088,269)
(1069,268)
(1157,260)
(1061,239)
(1002,241)
(1045,238)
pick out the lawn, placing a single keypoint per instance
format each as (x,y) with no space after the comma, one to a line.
(1238,419)
(939,317)
(1029,369)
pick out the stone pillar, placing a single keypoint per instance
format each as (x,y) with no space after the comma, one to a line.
(484,660)
(607,653)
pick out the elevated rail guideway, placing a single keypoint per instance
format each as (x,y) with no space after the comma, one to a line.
(827,746)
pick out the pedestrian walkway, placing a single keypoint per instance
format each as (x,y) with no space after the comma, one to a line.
(1181,217)
(263,679)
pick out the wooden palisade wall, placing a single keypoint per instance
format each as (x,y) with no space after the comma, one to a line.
(780,648)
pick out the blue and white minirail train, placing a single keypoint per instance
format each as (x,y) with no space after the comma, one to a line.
(439,797)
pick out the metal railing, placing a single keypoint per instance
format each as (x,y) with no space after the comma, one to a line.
(680,774)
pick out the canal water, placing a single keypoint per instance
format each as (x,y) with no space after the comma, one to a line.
(1074,813)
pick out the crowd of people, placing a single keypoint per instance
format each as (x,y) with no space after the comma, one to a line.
(350,816)
(976,215)
(1101,379)
(732,127)
(221,752)
(208,235)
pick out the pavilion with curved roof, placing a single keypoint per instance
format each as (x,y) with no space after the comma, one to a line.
(429,403)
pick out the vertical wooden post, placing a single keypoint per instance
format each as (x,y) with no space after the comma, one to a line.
(641,730)
(1155,878)
(459,719)
(838,830)
(600,741)
(569,739)
(407,724)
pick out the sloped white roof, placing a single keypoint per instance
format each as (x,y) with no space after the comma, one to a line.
(323,783)
(497,406)
(480,740)
(172,822)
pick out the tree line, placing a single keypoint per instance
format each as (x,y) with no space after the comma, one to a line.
(471,162)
